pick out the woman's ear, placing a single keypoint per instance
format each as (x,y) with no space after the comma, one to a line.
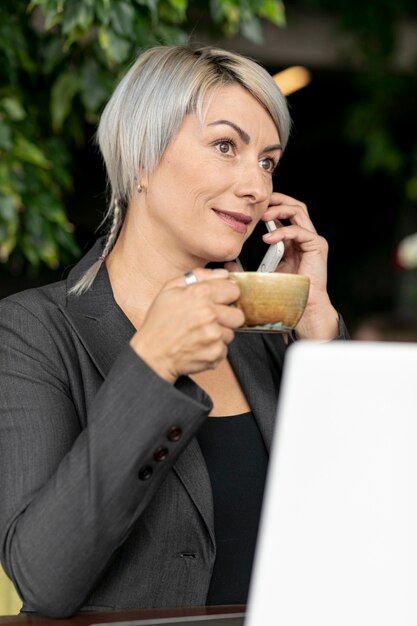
(141,182)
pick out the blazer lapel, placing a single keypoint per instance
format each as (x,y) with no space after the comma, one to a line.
(99,323)
(192,471)
(248,357)
(247,354)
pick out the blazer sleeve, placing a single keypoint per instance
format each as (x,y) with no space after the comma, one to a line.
(70,495)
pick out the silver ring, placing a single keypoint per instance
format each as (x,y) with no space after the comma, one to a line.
(190,278)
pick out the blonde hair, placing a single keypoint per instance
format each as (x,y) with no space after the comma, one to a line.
(148,107)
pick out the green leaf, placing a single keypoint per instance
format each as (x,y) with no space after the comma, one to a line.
(53,54)
(180,9)
(152,5)
(48,251)
(8,211)
(66,241)
(274,11)
(25,150)
(13,108)
(6,142)
(116,48)
(63,91)
(411,189)
(52,11)
(122,19)
(57,150)
(4,177)
(380,153)
(168,34)
(30,250)
(103,11)
(95,85)
(227,13)
(252,30)
(77,13)
(8,226)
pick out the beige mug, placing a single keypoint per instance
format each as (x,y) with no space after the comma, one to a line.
(271,301)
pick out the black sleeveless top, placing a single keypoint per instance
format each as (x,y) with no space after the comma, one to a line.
(237,460)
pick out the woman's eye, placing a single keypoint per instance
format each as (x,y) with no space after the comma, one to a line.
(225,147)
(267,164)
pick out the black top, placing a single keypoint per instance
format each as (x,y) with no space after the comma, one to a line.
(237,460)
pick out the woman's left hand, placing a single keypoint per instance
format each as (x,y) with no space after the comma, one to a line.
(305,253)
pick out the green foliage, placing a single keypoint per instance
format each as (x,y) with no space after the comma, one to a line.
(244,15)
(377,122)
(33,165)
(381,119)
(59,61)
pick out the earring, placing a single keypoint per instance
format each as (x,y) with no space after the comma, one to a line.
(139,188)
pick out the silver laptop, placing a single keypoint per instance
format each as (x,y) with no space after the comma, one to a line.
(338,537)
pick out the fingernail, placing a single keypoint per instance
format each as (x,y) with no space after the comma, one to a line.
(267,236)
(220,272)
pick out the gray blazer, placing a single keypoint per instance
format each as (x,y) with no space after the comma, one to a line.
(105,499)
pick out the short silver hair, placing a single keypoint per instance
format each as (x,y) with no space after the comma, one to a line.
(148,107)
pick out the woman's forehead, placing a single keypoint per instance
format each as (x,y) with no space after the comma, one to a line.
(236,104)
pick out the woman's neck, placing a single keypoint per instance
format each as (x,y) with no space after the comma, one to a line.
(139,265)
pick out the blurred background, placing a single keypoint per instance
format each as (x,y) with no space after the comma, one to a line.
(352,156)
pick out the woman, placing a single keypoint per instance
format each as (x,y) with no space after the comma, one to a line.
(109,501)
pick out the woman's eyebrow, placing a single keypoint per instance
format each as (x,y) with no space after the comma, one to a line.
(275,146)
(244,135)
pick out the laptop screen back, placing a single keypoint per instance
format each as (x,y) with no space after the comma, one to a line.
(338,536)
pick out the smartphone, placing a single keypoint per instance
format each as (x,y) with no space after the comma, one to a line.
(256,255)
(274,253)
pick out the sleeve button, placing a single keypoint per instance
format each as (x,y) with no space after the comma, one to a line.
(145,472)
(160,454)
(174,433)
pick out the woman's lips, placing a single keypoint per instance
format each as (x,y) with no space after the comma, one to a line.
(237,221)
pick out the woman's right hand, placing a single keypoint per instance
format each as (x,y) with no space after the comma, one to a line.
(188,327)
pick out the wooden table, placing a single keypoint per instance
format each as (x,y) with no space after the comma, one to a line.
(85,619)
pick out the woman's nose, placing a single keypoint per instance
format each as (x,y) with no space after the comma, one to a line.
(254,184)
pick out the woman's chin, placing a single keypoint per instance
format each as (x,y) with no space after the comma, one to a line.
(227,256)
(222,254)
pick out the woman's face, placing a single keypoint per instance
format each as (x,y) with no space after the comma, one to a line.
(214,180)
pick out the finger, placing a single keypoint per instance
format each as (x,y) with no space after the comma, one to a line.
(233,266)
(286,207)
(306,239)
(280,199)
(201,275)
(218,356)
(228,335)
(214,291)
(294,213)
(286,211)
(229,317)
(217,336)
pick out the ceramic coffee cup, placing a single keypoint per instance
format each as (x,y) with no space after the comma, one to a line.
(271,301)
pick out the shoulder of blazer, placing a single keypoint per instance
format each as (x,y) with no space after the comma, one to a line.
(39,299)
(93,317)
